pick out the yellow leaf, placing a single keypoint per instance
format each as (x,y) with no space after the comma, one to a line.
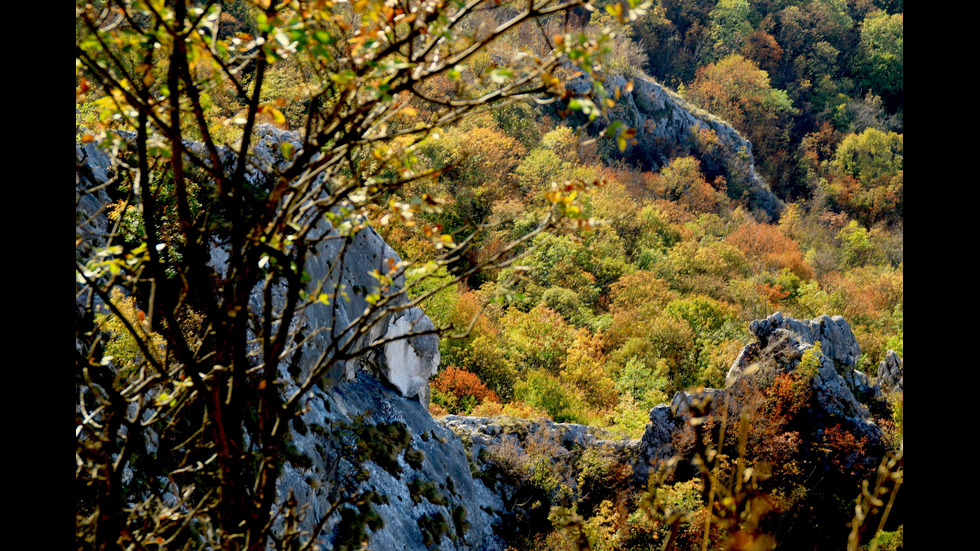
(276,114)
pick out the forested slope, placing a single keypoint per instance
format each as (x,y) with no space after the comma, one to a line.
(594,206)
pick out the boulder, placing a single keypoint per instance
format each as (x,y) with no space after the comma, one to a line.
(658,444)
(891,374)
(782,343)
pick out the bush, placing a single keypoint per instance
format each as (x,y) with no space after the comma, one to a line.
(467,389)
(544,391)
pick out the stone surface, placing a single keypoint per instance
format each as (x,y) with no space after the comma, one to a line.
(657,445)
(891,373)
(328,417)
(664,121)
(91,171)
(782,342)
(482,431)
(834,334)
(385,387)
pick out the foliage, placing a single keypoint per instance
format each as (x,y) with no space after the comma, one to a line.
(539,339)
(126,331)
(182,96)
(882,41)
(737,90)
(544,391)
(729,27)
(461,389)
(644,384)
(428,130)
(682,181)
(868,177)
(768,249)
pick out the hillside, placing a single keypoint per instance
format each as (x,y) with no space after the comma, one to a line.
(494,276)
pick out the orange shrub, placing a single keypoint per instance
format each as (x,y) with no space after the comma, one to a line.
(461,383)
(870,293)
(844,450)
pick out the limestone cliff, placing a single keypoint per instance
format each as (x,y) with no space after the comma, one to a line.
(365,431)
(782,341)
(841,392)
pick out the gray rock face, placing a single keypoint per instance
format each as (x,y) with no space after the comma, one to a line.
(666,126)
(782,343)
(408,363)
(344,271)
(786,339)
(91,171)
(834,334)
(891,373)
(658,443)
(419,480)
(429,483)
(480,432)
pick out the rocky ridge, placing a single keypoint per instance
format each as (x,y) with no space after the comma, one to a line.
(667,126)
(891,373)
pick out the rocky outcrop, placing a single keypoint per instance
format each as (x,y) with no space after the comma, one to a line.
(365,435)
(782,342)
(667,126)
(534,465)
(891,373)
(483,431)
(825,345)
(833,350)
(658,444)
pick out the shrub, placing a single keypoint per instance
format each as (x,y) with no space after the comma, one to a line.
(465,387)
(567,303)
(539,168)
(583,368)
(544,391)
(121,346)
